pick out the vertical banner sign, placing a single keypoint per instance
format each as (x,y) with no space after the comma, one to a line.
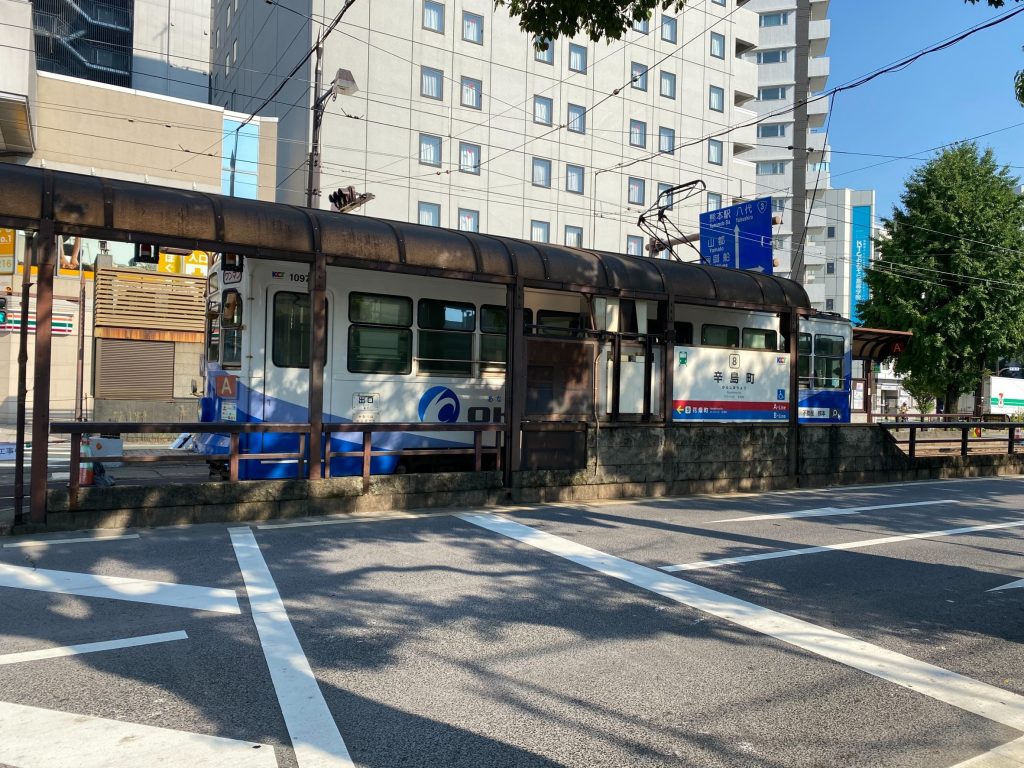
(860,259)
(6,251)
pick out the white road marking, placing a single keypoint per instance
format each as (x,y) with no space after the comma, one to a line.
(119,588)
(106,645)
(314,734)
(957,690)
(1009,755)
(701,564)
(1018,584)
(54,542)
(830,511)
(350,519)
(31,737)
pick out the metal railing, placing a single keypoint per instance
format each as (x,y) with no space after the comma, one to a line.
(970,433)
(236,454)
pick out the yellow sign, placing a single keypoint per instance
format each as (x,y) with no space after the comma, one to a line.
(169,262)
(197,263)
(6,251)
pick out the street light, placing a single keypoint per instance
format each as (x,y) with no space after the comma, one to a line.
(344,84)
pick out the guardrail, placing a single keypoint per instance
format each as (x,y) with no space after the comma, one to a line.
(888,416)
(971,432)
(235,455)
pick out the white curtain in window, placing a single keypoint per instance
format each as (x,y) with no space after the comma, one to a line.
(577,58)
(472,28)
(574,237)
(430,151)
(433,16)
(431,83)
(469,157)
(542,111)
(539,231)
(574,178)
(468,221)
(430,214)
(636,191)
(542,173)
(667,140)
(637,134)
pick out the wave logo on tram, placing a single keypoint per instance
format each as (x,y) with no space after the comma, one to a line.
(440,404)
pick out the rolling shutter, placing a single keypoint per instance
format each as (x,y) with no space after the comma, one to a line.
(134,370)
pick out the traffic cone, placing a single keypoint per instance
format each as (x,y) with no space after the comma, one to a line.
(85,466)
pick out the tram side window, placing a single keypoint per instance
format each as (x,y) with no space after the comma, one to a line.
(493,338)
(828,361)
(803,360)
(231,330)
(446,337)
(380,334)
(719,336)
(564,325)
(212,339)
(292,317)
(760,338)
(684,333)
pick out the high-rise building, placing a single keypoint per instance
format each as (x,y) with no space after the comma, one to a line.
(461,121)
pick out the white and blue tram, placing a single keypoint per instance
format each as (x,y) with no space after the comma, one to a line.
(415,348)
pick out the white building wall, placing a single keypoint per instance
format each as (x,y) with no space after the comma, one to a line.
(171,48)
(384,46)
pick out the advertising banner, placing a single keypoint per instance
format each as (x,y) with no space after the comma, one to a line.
(860,258)
(712,384)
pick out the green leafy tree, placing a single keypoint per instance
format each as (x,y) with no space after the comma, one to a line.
(599,19)
(1018,80)
(950,269)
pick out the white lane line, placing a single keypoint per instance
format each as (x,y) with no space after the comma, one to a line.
(957,690)
(31,737)
(346,520)
(106,645)
(701,564)
(54,542)
(830,511)
(1009,755)
(119,588)
(1018,584)
(314,734)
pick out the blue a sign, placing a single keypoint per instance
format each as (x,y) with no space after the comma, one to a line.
(739,237)
(860,258)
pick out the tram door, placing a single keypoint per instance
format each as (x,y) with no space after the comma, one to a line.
(285,374)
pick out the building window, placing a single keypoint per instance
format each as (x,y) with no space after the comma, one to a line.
(668,201)
(643,26)
(446,336)
(635,191)
(776,56)
(772,93)
(472,28)
(433,16)
(469,220)
(227,66)
(714,151)
(577,58)
(430,150)
(574,179)
(831,232)
(771,131)
(830,267)
(668,85)
(719,2)
(717,45)
(431,83)
(634,245)
(779,204)
(541,172)
(779,19)
(540,231)
(542,107)
(544,51)
(830,305)
(574,236)
(577,118)
(714,201)
(234,51)
(668,29)
(430,214)
(469,158)
(667,140)
(771,167)
(638,75)
(716,99)
(637,133)
(379,334)
(227,22)
(472,93)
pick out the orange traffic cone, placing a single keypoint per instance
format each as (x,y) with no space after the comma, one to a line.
(85,468)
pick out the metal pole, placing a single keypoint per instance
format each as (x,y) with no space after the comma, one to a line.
(794,396)
(313,177)
(41,382)
(317,355)
(19,462)
(80,369)
(800,136)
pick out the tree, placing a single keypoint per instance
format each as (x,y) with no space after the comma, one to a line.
(1018,80)
(609,19)
(950,268)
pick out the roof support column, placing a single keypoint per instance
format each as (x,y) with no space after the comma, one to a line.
(515,380)
(793,438)
(47,255)
(317,355)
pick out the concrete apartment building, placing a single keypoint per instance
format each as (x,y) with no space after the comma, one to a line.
(460,122)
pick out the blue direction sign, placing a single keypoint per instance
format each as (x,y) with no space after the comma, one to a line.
(739,237)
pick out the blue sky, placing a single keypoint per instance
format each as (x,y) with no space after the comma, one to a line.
(952,94)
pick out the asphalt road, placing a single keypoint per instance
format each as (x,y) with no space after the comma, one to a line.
(872,626)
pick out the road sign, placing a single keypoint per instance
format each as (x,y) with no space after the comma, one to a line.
(739,237)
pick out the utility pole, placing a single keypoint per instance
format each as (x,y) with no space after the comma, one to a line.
(800,95)
(313,177)
(26,293)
